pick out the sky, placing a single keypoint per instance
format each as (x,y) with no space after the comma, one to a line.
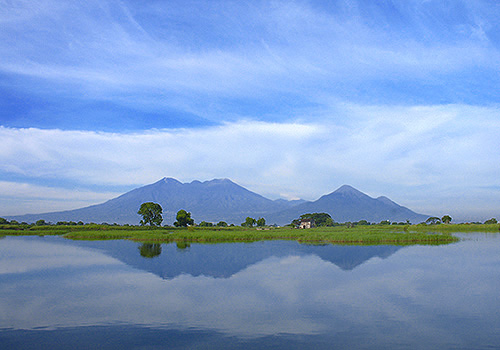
(290,99)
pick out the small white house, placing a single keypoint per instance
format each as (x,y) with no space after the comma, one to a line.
(307,223)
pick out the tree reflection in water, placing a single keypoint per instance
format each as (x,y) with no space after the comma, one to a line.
(149,250)
(182,245)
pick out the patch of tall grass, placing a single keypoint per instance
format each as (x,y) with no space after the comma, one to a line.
(365,235)
(332,235)
(452,228)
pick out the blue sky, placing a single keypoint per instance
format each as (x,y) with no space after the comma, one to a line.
(290,99)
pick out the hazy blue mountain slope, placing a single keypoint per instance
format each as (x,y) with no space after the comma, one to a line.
(223,200)
(349,204)
(211,201)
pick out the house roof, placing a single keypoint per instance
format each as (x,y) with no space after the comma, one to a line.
(307,220)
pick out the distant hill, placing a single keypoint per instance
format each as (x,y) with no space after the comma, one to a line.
(211,201)
(349,204)
(223,200)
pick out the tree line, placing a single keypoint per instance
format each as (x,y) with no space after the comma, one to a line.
(152,215)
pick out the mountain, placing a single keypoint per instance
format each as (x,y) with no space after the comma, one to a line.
(349,204)
(212,201)
(223,200)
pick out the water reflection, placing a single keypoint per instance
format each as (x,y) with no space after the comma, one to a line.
(224,260)
(420,296)
(150,250)
(183,245)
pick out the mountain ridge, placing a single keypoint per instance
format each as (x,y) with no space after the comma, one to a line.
(349,204)
(223,200)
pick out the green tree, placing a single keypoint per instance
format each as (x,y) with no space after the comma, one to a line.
(261,222)
(40,222)
(249,222)
(183,219)
(151,214)
(222,224)
(320,219)
(3,221)
(491,221)
(205,224)
(446,219)
(433,221)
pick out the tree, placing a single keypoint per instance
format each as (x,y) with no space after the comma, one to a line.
(261,222)
(446,219)
(40,222)
(491,221)
(151,214)
(433,221)
(183,219)
(249,222)
(205,224)
(320,219)
(222,224)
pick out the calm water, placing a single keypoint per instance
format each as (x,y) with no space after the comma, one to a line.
(60,294)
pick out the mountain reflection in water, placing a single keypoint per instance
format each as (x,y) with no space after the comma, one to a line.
(224,260)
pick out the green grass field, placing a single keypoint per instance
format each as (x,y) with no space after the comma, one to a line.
(358,235)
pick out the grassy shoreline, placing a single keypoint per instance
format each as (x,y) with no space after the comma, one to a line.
(359,235)
(458,228)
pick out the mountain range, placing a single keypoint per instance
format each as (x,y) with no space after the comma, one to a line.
(223,200)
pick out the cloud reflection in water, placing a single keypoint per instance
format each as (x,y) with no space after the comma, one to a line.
(419,292)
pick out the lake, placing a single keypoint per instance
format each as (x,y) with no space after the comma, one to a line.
(59,294)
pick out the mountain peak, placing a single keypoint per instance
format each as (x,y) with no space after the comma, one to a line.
(170,180)
(385,200)
(219,181)
(347,189)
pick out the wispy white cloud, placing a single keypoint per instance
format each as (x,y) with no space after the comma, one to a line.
(23,197)
(110,51)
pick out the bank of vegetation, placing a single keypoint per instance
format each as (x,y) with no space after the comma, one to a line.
(372,234)
(323,230)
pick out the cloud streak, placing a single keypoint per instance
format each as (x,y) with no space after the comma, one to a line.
(113,50)
(24,197)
